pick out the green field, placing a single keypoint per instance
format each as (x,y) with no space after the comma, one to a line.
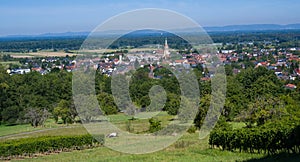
(188,148)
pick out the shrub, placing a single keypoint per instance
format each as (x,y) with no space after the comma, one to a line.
(192,129)
(28,146)
(155,125)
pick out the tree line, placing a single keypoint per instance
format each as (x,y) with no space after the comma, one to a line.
(254,96)
(283,39)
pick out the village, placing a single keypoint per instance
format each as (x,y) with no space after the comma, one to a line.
(283,61)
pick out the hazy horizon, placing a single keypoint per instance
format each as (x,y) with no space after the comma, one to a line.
(31,17)
(210,29)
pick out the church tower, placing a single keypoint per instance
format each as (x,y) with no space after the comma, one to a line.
(166,50)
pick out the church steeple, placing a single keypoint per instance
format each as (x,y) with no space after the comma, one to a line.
(166,50)
(166,43)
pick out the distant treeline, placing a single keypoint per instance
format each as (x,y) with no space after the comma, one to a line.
(283,38)
(34,44)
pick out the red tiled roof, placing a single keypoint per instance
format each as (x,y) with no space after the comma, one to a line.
(292,86)
(179,61)
(205,79)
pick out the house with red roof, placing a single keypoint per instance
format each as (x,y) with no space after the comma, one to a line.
(290,86)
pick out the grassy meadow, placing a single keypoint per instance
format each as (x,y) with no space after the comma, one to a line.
(188,148)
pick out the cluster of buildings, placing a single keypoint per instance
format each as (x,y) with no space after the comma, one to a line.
(44,65)
(284,64)
(279,62)
(122,63)
(156,58)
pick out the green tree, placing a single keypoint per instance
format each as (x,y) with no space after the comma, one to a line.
(235,99)
(155,125)
(173,103)
(107,103)
(87,107)
(264,109)
(64,111)
(228,70)
(4,89)
(203,108)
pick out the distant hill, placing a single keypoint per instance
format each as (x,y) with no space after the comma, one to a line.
(47,35)
(251,27)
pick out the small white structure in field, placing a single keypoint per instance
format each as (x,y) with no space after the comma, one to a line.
(111,135)
(174,134)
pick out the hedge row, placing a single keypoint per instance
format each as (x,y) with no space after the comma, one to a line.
(28,146)
(261,140)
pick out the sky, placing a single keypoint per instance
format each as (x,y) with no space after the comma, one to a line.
(27,17)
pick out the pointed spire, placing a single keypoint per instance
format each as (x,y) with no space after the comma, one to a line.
(166,43)
(166,50)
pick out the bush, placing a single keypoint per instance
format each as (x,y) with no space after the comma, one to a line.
(192,129)
(28,146)
(155,125)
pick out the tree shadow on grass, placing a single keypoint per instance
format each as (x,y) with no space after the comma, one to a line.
(284,157)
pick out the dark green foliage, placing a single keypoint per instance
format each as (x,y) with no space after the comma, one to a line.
(66,111)
(192,129)
(235,99)
(258,82)
(107,103)
(155,125)
(271,139)
(136,39)
(28,146)
(228,70)
(173,104)
(10,114)
(203,108)
(250,36)
(27,44)
(19,93)
(222,124)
